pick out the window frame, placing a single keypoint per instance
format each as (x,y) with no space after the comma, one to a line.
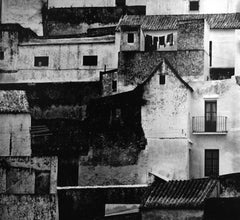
(43,63)
(191,7)
(211,157)
(130,38)
(1,55)
(162,79)
(87,60)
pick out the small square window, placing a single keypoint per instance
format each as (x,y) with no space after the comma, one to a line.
(114,85)
(194,5)
(130,38)
(41,61)
(162,79)
(1,55)
(120,2)
(90,60)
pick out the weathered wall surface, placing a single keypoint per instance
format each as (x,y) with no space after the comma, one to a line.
(28,175)
(72,20)
(172,215)
(30,207)
(15,135)
(9,43)
(28,13)
(225,92)
(107,83)
(169,157)
(168,147)
(192,38)
(91,3)
(224,48)
(135,67)
(165,105)
(182,7)
(65,60)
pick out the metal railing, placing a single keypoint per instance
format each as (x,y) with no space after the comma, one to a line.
(201,124)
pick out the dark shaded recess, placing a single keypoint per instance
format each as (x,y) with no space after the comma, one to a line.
(90,203)
(230,182)
(222,209)
(24,34)
(90,15)
(116,138)
(65,137)
(68,170)
(221,73)
(47,94)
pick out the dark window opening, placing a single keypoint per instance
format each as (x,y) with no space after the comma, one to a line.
(211,116)
(42,182)
(210,53)
(120,2)
(194,5)
(130,38)
(1,55)
(41,61)
(212,163)
(90,60)
(162,79)
(221,73)
(114,85)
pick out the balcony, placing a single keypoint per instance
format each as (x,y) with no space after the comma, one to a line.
(209,125)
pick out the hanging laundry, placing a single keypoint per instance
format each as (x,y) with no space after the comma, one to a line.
(148,43)
(170,39)
(162,41)
(155,42)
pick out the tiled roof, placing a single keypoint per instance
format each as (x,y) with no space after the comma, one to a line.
(169,22)
(13,101)
(178,194)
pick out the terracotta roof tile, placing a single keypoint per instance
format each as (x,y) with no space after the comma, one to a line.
(169,22)
(178,194)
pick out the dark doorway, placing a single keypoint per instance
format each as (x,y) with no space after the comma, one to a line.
(210,116)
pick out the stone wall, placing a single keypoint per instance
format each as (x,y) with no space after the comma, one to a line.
(135,67)
(30,207)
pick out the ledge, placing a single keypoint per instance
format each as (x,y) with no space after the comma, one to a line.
(210,133)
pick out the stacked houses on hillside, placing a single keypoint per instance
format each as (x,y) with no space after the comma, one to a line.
(122,100)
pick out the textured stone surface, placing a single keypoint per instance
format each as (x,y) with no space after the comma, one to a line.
(29,207)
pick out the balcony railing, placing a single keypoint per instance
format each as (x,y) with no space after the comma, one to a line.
(203,124)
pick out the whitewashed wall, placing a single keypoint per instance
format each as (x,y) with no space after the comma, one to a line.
(182,7)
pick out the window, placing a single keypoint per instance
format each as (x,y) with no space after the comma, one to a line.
(41,61)
(221,73)
(211,116)
(194,5)
(211,162)
(114,85)
(210,53)
(162,79)
(120,2)
(1,55)
(90,60)
(130,38)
